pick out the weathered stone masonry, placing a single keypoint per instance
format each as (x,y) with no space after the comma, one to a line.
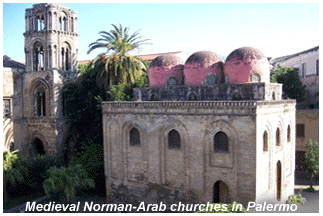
(205,131)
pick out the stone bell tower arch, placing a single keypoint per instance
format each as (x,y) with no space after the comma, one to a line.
(51,38)
(51,49)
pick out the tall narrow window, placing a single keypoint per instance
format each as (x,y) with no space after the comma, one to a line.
(40,23)
(64,24)
(67,59)
(220,143)
(40,103)
(174,140)
(300,130)
(134,137)
(63,59)
(265,141)
(38,57)
(303,70)
(60,24)
(288,133)
(317,67)
(278,137)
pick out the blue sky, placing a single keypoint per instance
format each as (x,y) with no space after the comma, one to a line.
(275,29)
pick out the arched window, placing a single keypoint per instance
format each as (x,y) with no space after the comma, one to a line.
(288,133)
(278,137)
(153,97)
(134,137)
(50,20)
(38,57)
(65,56)
(255,77)
(273,96)
(60,27)
(40,23)
(39,98)
(265,141)
(221,144)
(174,140)
(211,79)
(192,97)
(41,103)
(64,27)
(171,81)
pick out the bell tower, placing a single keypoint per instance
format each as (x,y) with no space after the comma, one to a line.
(51,48)
(51,39)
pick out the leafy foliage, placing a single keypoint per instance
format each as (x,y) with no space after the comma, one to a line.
(35,168)
(292,86)
(68,179)
(296,199)
(11,173)
(25,174)
(111,76)
(311,162)
(116,66)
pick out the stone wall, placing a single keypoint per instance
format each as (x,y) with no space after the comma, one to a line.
(249,91)
(153,172)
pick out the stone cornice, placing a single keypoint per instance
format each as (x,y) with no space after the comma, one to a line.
(193,104)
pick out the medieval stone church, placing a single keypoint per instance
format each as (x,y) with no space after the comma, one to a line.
(35,103)
(205,130)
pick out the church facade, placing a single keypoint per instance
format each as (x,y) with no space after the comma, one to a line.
(51,47)
(206,130)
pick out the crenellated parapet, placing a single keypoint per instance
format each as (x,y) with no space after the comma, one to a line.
(248,91)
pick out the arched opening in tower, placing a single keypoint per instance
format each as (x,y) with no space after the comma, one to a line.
(38,147)
(220,192)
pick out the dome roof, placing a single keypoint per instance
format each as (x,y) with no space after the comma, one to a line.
(168,60)
(206,58)
(244,53)
(245,65)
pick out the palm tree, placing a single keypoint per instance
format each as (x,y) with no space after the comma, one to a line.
(116,65)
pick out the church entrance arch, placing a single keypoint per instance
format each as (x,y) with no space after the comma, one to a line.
(37,147)
(220,192)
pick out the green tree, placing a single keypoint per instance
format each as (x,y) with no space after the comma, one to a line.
(115,65)
(11,173)
(68,179)
(311,163)
(292,86)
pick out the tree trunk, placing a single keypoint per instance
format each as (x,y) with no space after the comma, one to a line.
(311,181)
(68,198)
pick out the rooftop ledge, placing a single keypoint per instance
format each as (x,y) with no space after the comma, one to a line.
(197,104)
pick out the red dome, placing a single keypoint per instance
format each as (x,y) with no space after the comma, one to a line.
(246,65)
(164,67)
(201,64)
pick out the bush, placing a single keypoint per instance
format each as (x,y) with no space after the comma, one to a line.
(225,208)
(296,199)
(67,179)
(33,173)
